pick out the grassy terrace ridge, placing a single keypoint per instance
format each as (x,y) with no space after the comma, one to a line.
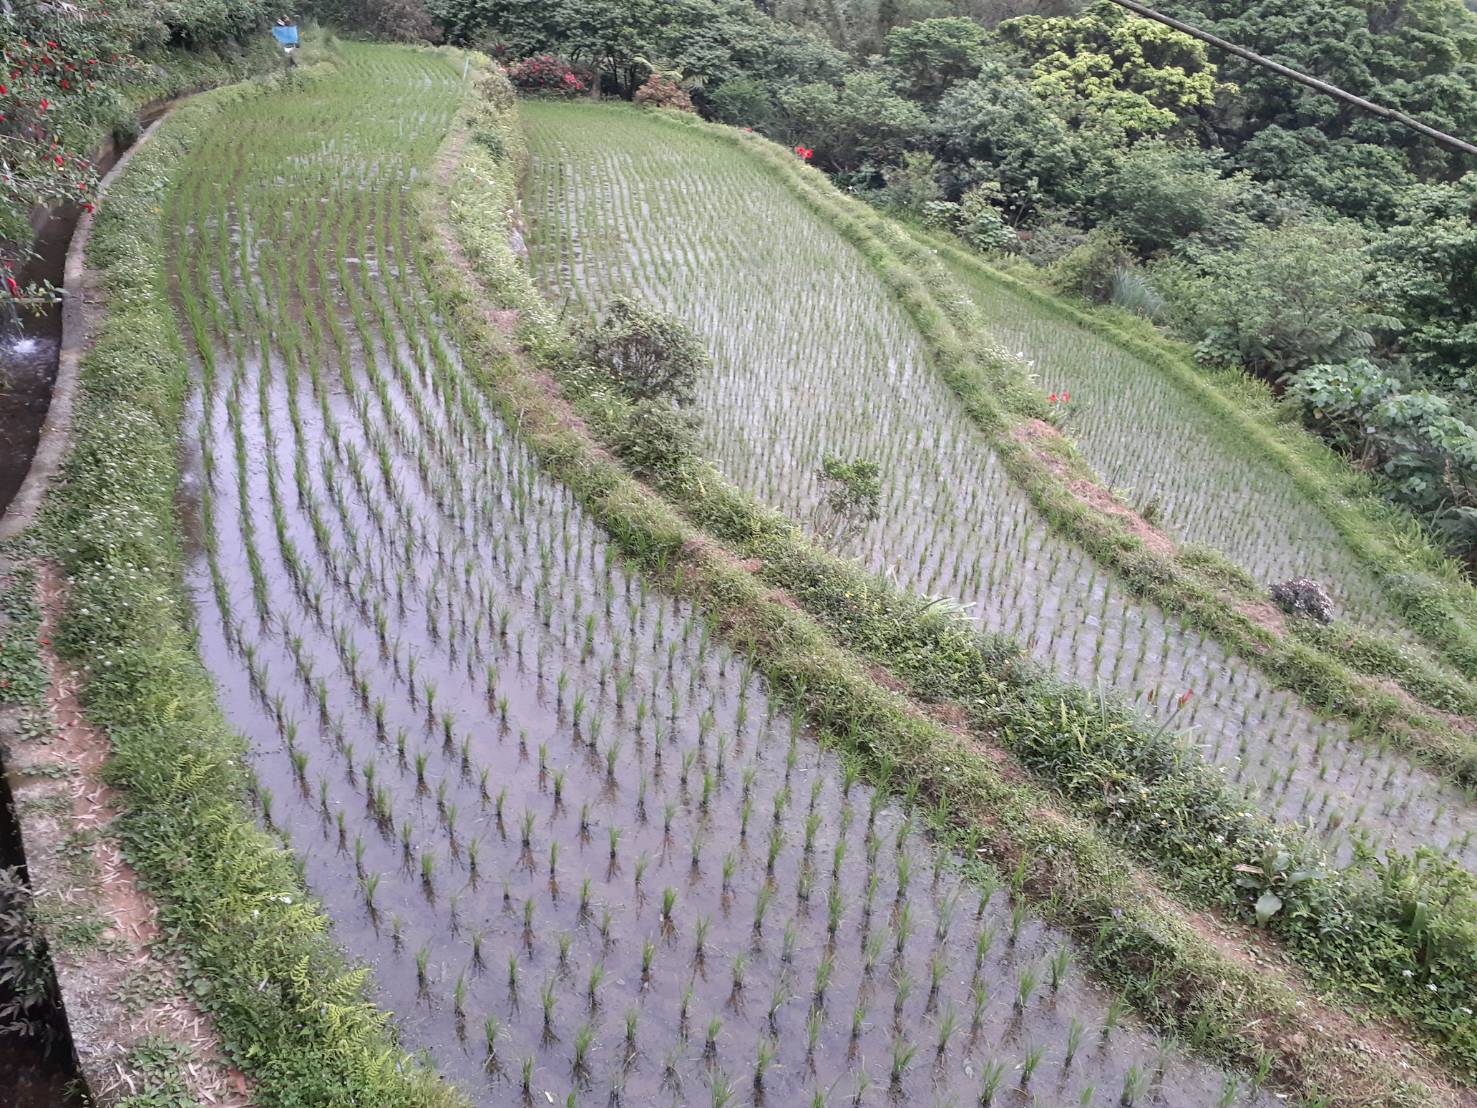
(291,1013)
(1139,943)
(1428,587)
(1197,585)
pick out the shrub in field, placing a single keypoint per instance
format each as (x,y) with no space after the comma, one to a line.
(744,102)
(851,497)
(1132,291)
(1161,194)
(650,355)
(1417,440)
(980,222)
(548,74)
(1288,298)
(398,20)
(657,439)
(1090,269)
(912,186)
(662,91)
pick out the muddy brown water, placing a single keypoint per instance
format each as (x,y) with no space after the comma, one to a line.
(433,653)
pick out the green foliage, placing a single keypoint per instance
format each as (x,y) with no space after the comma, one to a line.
(655,439)
(911,185)
(1090,269)
(979,221)
(22,675)
(744,102)
(851,497)
(1424,275)
(1418,57)
(1141,75)
(1414,438)
(28,995)
(648,354)
(933,54)
(395,20)
(1164,196)
(998,126)
(1287,298)
(862,121)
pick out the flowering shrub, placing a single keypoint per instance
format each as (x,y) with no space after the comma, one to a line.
(661,91)
(57,63)
(548,74)
(804,153)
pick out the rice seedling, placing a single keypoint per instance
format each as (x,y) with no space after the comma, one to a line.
(993,1074)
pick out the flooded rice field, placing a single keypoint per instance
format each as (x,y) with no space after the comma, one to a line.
(587,854)
(1144,435)
(813,357)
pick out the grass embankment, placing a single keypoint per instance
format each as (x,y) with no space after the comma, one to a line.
(1137,942)
(1426,586)
(291,1013)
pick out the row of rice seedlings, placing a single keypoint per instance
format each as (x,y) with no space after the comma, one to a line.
(585,851)
(797,324)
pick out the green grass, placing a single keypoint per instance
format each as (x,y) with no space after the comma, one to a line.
(22,674)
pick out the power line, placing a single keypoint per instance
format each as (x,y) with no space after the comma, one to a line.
(1449,141)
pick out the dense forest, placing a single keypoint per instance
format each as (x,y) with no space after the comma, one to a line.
(1330,251)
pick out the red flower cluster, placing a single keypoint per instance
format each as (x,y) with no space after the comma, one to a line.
(546,73)
(1060,398)
(804,153)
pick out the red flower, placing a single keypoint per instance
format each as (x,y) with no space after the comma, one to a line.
(805,153)
(1185,697)
(1053,398)
(44,105)
(1066,397)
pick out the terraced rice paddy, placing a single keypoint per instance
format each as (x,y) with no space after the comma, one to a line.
(813,358)
(1143,434)
(587,855)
